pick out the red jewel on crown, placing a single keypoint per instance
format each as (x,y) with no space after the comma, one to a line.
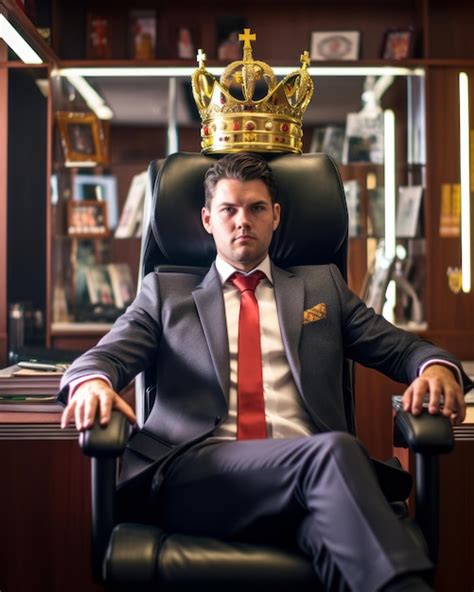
(236,126)
(250,125)
(285,127)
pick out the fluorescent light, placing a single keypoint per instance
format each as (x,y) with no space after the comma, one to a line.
(186,72)
(91,97)
(464,154)
(389,182)
(16,42)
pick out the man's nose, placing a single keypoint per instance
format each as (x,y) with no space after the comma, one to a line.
(243,219)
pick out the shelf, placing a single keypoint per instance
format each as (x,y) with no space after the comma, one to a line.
(80,329)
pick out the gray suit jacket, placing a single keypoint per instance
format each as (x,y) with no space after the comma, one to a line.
(177,324)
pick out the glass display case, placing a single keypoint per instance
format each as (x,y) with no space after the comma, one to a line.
(145,113)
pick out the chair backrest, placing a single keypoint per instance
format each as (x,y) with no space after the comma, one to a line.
(313,228)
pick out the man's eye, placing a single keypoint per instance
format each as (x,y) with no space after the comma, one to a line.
(259,207)
(228,210)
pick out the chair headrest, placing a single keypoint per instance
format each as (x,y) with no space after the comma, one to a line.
(313,228)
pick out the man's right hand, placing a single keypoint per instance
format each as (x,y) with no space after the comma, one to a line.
(94,396)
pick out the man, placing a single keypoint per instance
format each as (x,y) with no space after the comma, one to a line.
(233,466)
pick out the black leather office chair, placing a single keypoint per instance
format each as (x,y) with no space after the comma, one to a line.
(313,230)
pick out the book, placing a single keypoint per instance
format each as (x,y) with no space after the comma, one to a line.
(376,211)
(123,287)
(133,207)
(99,285)
(408,210)
(21,382)
(352,192)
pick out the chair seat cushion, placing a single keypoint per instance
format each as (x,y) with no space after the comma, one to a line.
(144,557)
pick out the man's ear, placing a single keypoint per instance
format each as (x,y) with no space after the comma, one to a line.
(206,219)
(276,215)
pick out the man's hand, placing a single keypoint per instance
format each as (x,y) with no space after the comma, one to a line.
(442,386)
(90,396)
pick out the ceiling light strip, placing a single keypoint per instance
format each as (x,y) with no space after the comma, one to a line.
(390,184)
(464,154)
(186,72)
(16,42)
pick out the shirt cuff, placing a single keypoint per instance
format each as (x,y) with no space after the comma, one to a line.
(74,384)
(450,365)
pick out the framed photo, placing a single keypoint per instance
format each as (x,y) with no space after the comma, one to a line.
(185,42)
(228,29)
(99,43)
(398,44)
(87,219)
(143,34)
(335,45)
(82,138)
(100,188)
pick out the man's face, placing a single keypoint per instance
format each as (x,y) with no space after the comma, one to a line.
(241,219)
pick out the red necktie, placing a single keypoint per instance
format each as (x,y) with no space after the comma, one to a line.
(250,402)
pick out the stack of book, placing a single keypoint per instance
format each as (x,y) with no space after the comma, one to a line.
(30,390)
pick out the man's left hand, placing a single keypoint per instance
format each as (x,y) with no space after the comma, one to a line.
(445,394)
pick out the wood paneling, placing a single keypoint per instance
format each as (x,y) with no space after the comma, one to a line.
(446,311)
(45,517)
(3,201)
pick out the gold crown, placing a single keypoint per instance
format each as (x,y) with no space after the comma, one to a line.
(272,123)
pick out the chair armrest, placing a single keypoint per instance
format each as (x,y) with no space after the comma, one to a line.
(104,444)
(106,441)
(424,434)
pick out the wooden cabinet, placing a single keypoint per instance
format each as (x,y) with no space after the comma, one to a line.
(45,506)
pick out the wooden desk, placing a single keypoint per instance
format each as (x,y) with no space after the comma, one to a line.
(44,507)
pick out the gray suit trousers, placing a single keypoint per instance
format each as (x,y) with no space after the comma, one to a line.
(321,488)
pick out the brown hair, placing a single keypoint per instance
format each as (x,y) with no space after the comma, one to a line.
(241,166)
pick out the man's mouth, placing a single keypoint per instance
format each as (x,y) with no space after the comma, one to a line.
(244,238)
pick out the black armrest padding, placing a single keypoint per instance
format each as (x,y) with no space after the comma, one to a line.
(425,433)
(106,441)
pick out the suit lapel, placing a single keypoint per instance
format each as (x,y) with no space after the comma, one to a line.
(289,296)
(209,302)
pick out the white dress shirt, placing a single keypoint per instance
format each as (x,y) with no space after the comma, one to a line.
(285,414)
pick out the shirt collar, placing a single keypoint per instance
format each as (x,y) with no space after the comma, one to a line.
(225,270)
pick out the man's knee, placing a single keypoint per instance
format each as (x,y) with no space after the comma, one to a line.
(340,445)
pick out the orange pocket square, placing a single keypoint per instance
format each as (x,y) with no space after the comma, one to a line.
(315,313)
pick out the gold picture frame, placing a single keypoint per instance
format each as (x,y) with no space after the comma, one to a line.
(87,219)
(82,138)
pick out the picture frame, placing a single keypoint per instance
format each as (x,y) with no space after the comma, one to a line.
(229,27)
(143,34)
(398,44)
(87,219)
(335,45)
(98,40)
(100,188)
(185,41)
(82,139)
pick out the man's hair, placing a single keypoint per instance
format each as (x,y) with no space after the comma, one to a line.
(241,166)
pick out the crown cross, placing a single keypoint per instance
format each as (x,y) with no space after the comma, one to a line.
(305,59)
(247,37)
(233,121)
(201,58)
